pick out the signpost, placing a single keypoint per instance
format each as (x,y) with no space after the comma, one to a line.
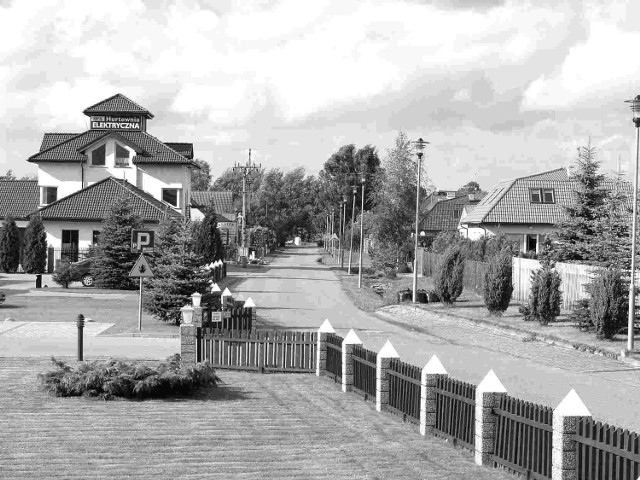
(142,270)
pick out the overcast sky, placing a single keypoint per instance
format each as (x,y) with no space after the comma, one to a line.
(500,88)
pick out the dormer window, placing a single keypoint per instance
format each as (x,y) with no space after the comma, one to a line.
(122,156)
(98,156)
(542,195)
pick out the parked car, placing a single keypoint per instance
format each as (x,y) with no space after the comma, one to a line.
(2,297)
(82,272)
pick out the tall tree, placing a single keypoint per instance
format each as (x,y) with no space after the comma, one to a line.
(114,258)
(201,179)
(470,187)
(8,176)
(9,246)
(207,241)
(35,246)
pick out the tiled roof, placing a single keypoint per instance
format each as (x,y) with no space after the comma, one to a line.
(488,202)
(222,201)
(185,149)
(92,203)
(445,215)
(53,139)
(117,104)
(557,174)
(18,198)
(153,150)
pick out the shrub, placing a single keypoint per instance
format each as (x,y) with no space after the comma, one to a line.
(448,277)
(545,296)
(64,274)
(9,246)
(498,285)
(581,315)
(403,268)
(35,246)
(385,258)
(608,304)
(113,378)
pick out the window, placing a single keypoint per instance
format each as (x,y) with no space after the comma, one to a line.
(457,213)
(98,156)
(171,196)
(122,156)
(49,195)
(96,237)
(69,245)
(542,195)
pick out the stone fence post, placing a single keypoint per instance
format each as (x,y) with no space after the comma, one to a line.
(347,359)
(488,396)
(431,372)
(386,353)
(565,421)
(321,354)
(188,338)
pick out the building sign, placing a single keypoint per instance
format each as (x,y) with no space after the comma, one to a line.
(226,224)
(108,122)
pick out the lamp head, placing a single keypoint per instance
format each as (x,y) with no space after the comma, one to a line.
(635,109)
(419,146)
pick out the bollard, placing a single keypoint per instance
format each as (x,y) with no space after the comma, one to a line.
(38,280)
(80,323)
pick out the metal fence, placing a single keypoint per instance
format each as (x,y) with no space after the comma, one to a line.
(364,371)
(523,438)
(334,356)
(404,390)
(456,411)
(605,452)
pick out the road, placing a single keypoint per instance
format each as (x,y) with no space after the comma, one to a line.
(295,292)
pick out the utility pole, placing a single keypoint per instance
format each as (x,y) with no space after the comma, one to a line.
(245,169)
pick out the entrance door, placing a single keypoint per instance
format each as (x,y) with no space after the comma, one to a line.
(69,245)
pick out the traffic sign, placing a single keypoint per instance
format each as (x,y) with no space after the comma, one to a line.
(141,268)
(334,237)
(142,240)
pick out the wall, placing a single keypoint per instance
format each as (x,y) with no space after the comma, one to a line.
(65,176)
(153,178)
(93,174)
(518,232)
(85,232)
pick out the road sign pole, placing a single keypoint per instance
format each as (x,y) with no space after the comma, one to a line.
(140,307)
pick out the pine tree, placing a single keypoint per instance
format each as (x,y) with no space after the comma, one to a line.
(177,271)
(208,243)
(498,286)
(114,258)
(449,276)
(9,246)
(35,246)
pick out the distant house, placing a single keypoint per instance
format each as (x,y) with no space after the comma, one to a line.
(18,199)
(445,214)
(438,196)
(222,202)
(527,208)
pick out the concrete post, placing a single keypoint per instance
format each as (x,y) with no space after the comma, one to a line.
(488,396)
(188,338)
(347,359)
(431,372)
(321,354)
(386,353)
(565,421)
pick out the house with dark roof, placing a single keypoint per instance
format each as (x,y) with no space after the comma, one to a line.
(445,214)
(527,208)
(81,174)
(222,203)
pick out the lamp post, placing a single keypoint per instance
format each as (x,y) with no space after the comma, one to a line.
(361,237)
(344,222)
(340,232)
(332,232)
(635,108)
(353,216)
(419,146)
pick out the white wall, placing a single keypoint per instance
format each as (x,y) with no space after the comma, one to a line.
(93,174)
(153,178)
(85,232)
(65,176)
(519,232)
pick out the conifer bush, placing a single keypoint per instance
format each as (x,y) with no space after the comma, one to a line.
(545,296)
(448,279)
(113,378)
(208,243)
(9,246)
(609,302)
(35,246)
(498,285)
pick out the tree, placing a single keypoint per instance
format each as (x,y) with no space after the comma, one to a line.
(177,271)
(35,246)
(448,279)
(498,286)
(470,187)
(208,243)
(114,258)
(8,176)
(231,180)
(545,296)
(9,246)
(201,179)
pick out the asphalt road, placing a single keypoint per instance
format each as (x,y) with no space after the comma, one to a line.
(295,292)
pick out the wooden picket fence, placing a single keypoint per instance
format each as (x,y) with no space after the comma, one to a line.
(264,351)
(456,411)
(523,438)
(334,356)
(605,452)
(364,371)
(404,390)
(234,318)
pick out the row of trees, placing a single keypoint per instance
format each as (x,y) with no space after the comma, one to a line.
(33,246)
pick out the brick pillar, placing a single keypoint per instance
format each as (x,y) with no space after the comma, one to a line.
(488,396)
(431,372)
(347,359)
(565,420)
(188,340)
(321,355)
(386,353)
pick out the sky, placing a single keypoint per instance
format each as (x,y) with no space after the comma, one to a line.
(499,88)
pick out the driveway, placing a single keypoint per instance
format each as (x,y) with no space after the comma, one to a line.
(295,292)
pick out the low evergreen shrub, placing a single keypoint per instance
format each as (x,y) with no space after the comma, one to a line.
(113,378)
(545,296)
(448,279)
(498,286)
(581,315)
(64,274)
(609,303)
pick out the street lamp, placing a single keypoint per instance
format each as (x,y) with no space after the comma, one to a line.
(419,146)
(353,216)
(361,237)
(635,108)
(332,232)
(344,221)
